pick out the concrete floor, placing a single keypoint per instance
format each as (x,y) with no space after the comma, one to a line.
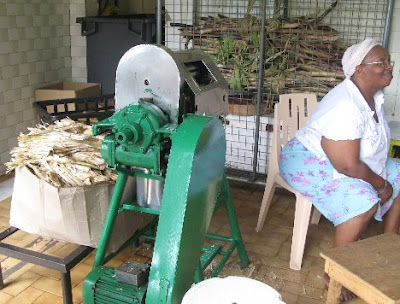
(268,250)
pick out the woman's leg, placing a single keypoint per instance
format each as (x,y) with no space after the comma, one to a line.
(392,218)
(348,203)
(349,232)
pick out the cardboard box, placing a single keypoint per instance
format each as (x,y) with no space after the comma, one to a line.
(73,214)
(64,90)
(134,7)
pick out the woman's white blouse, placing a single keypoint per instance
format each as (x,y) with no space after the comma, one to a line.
(343,114)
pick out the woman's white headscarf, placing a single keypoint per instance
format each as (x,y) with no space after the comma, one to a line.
(355,54)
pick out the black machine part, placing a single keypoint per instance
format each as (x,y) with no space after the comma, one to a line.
(133,273)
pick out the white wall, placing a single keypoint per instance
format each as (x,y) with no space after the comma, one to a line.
(79,8)
(40,44)
(35,50)
(392,103)
(78,43)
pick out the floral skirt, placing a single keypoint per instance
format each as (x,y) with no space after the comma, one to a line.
(337,199)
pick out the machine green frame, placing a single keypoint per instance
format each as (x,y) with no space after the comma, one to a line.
(166,132)
(195,186)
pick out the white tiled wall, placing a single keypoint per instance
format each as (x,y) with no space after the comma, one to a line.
(392,104)
(78,42)
(34,51)
(80,8)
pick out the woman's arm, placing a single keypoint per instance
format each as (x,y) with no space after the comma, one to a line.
(345,158)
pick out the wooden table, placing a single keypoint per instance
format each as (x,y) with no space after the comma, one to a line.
(370,268)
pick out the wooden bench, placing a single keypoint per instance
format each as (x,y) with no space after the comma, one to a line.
(370,268)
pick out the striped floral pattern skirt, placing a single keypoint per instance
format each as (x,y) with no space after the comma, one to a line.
(337,199)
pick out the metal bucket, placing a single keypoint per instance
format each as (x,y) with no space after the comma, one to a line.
(149,192)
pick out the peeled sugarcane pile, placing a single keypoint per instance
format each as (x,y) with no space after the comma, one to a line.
(301,55)
(64,154)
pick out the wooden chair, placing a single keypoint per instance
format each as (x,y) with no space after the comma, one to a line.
(290,114)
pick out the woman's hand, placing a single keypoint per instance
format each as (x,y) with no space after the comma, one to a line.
(345,158)
(385,193)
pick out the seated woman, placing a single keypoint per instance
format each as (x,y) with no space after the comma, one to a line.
(339,159)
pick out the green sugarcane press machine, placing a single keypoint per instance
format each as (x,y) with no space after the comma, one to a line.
(166,133)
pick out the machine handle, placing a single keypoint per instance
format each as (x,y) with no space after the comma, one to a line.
(180,24)
(100,128)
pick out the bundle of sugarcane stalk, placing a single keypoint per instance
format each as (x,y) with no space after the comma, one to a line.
(301,54)
(64,154)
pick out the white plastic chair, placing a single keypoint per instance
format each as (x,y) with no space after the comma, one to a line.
(290,114)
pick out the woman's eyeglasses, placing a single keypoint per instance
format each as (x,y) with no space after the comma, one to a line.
(384,64)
